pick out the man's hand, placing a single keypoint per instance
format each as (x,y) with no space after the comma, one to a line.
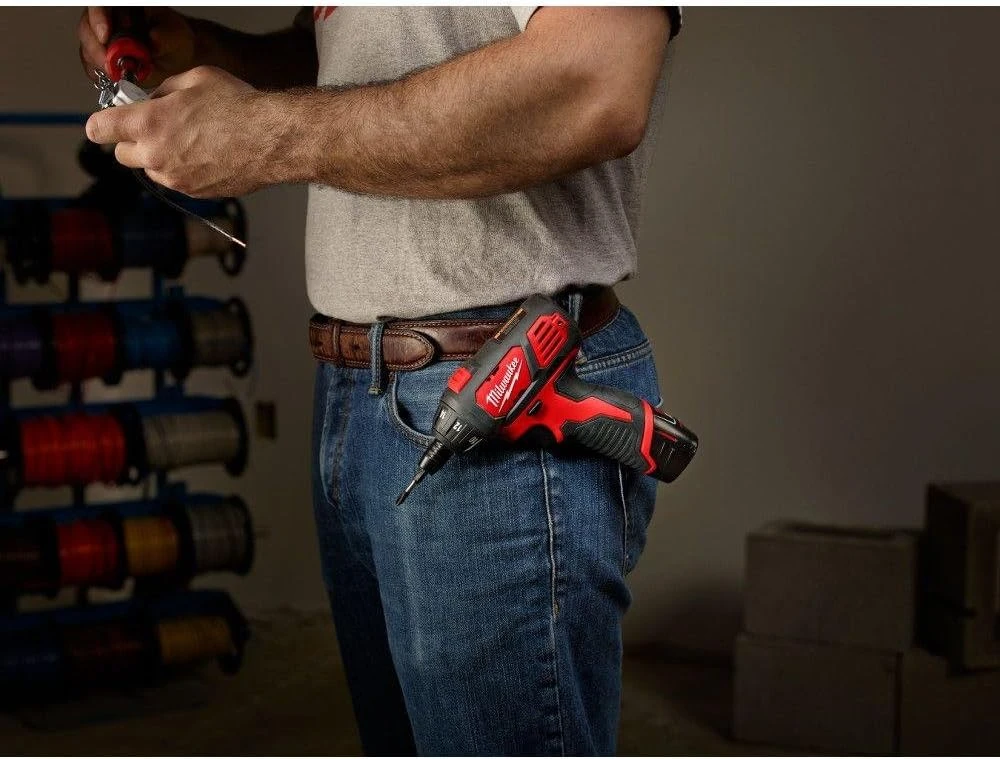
(572,91)
(199,134)
(171,34)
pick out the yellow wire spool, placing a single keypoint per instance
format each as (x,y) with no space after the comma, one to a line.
(192,639)
(152,545)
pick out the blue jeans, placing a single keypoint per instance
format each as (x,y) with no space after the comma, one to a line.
(483,616)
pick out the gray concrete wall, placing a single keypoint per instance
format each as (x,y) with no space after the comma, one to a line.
(818,264)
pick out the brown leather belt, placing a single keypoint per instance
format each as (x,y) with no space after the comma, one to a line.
(411,345)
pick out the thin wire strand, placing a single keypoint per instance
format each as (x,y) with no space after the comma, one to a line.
(151,187)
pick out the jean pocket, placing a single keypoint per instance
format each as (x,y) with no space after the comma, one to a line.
(633,370)
(412,401)
(619,355)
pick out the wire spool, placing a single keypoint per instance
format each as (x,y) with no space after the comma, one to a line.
(28,243)
(152,546)
(21,348)
(151,343)
(221,536)
(153,236)
(187,640)
(108,652)
(85,345)
(30,662)
(25,559)
(82,241)
(89,553)
(72,449)
(186,439)
(221,337)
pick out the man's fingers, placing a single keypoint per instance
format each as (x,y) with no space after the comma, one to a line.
(127,154)
(124,123)
(100,23)
(92,52)
(181,81)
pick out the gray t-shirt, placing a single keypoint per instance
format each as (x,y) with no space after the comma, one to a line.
(370,257)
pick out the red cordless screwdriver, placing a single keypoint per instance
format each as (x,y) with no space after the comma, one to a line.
(523,381)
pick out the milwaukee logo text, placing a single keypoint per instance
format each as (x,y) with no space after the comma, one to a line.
(500,393)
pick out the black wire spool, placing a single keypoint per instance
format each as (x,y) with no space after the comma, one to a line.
(217,537)
(29,557)
(117,652)
(214,337)
(29,245)
(174,440)
(32,664)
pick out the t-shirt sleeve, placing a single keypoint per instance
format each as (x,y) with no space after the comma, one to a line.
(522,13)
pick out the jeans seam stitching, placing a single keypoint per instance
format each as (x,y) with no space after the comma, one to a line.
(413,436)
(322,439)
(338,453)
(553,609)
(621,488)
(632,354)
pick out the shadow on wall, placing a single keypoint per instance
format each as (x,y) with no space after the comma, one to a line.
(817,274)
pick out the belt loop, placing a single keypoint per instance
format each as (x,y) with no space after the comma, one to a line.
(336,353)
(575,303)
(375,341)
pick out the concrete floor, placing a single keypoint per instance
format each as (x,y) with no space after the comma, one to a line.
(283,702)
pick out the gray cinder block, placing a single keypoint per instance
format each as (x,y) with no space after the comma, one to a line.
(846,699)
(947,714)
(960,579)
(820,696)
(851,586)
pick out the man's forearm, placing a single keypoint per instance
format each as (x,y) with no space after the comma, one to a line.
(495,120)
(572,91)
(277,60)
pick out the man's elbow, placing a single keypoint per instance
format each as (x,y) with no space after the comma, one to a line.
(619,126)
(627,128)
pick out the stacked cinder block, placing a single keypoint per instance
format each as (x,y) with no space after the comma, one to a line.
(829,658)
(828,612)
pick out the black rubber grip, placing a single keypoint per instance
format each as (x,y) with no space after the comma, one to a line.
(613,438)
(617,439)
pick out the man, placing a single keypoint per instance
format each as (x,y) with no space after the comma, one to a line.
(459,159)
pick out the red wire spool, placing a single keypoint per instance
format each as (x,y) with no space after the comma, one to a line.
(74,449)
(89,553)
(86,345)
(82,240)
(107,653)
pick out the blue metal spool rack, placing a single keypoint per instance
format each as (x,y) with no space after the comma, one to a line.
(168,396)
